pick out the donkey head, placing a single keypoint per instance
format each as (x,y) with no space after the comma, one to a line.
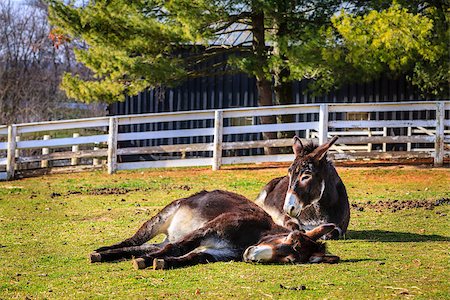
(306,176)
(296,246)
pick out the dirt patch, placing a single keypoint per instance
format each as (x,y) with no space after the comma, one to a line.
(123,191)
(293,288)
(170,187)
(397,205)
(109,191)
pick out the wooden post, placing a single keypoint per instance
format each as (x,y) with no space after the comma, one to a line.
(17,152)
(95,160)
(112,145)
(11,152)
(369,134)
(75,148)
(323,124)
(45,151)
(369,145)
(408,145)
(384,134)
(218,134)
(439,140)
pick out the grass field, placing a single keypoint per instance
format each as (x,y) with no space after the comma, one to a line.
(48,226)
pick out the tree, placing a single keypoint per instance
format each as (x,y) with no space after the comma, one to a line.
(30,67)
(132,45)
(385,37)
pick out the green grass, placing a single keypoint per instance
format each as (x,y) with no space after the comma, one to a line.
(45,238)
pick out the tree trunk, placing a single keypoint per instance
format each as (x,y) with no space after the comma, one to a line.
(283,96)
(265,99)
(264,86)
(282,85)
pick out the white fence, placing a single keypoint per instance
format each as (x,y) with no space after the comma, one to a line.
(357,137)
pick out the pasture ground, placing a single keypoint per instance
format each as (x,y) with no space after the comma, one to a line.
(397,245)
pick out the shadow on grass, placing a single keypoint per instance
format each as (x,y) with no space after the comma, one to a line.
(392,236)
(355,260)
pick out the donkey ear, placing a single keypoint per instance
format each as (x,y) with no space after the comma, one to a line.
(320,151)
(297,146)
(294,236)
(317,232)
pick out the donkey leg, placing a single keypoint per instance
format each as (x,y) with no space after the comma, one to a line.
(190,259)
(210,232)
(189,243)
(148,230)
(122,253)
(146,260)
(335,234)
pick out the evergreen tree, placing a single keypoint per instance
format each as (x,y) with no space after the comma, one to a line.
(132,45)
(137,44)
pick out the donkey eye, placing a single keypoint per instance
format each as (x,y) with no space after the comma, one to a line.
(306,177)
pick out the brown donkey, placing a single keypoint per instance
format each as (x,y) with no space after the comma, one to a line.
(216,226)
(310,195)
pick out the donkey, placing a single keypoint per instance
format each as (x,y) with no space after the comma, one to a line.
(216,226)
(310,195)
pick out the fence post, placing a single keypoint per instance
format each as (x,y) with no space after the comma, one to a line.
(17,153)
(11,152)
(409,145)
(95,160)
(218,133)
(439,139)
(75,148)
(112,145)
(369,145)
(385,131)
(323,123)
(45,151)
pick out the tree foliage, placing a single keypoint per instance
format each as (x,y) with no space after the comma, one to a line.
(132,45)
(138,44)
(128,49)
(409,39)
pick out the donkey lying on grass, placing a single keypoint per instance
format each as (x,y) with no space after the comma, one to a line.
(216,226)
(310,195)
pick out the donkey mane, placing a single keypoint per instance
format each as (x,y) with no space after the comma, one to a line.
(309,147)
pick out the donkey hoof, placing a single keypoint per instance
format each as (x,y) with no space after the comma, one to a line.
(159,264)
(139,264)
(95,257)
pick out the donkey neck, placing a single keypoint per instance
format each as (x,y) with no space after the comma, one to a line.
(276,229)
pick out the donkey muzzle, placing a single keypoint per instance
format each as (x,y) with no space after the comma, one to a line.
(291,205)
(260,253)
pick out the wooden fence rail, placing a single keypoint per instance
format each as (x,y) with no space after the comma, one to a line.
(22,145)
